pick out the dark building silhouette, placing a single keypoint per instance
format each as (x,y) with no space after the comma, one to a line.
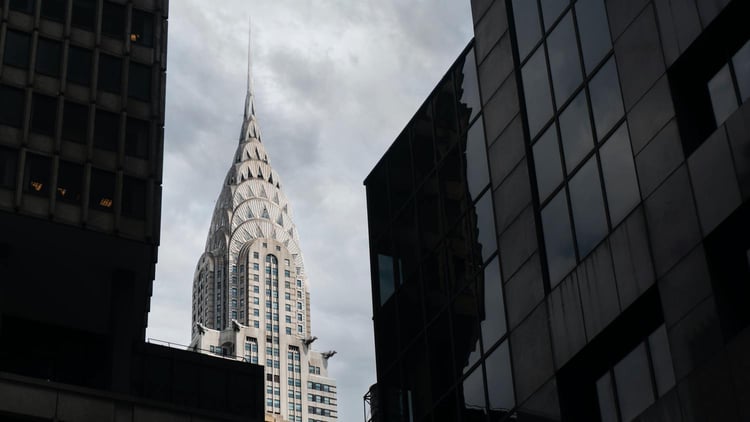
(82,86)
(561,232)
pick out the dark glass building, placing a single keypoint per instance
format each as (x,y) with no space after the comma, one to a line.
(82,88)
(562,231)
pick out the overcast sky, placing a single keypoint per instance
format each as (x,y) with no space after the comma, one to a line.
(335,82)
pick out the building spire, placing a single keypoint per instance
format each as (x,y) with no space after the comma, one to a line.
(250,129)
(249,98)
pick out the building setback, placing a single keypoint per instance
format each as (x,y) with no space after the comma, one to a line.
(82,87)
(561,232)
(250,291)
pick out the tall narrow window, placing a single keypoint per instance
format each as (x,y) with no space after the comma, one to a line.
(139,82)
(48,55)
(102,191)
(142,31)
(113,20)
(37,174)
(75,122)
(69,182)
(8,166)
(54,9)
(110,73)
(43,114)
(84,14)
(11,111)
(79,65)
(106,130)
(17,47)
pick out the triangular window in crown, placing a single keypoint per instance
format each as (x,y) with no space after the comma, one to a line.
(263,193)
(257,154)
(280,220)
(270,178)
(265,213)
(276,198)
(250,213)
(260,173)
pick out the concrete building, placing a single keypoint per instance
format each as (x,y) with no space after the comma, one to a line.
(82,86)
(251,298)
(561,231)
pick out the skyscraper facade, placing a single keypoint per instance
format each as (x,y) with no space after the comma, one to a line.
(82,96)
(250,291)
(570,242)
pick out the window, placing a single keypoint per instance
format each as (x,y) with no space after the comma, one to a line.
(48,55)
(37,174)
(84,14)
(286,272)
(137,138)
(288,330)
(142,31)
(69,182)
(133,197)
(54,9)
(106,130)
(43,114)
(637,380)
(79,65)
(730,86)
(25,6)
(13,99)
(75,122)
(17,46)
(8,166)
(102,191)
(299,283)
(256,266)
(110,73)
(139,82)
(113,20)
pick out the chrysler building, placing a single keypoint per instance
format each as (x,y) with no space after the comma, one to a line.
(251,297)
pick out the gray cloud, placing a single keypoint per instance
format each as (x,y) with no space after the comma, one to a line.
(335,82)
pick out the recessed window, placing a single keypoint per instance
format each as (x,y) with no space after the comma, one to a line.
(139,83)
(12,99)
(113,20)
(547,163)
(84,14)
(102,191)
(637,380)
(54,9)
(48,54)
(137,139)
(110,73)
(17,47)
(106,130)
(69,182)
(43,114)
(142,31)
(75,122)
(79,65)
(8,166)
(36,175)
(25,6)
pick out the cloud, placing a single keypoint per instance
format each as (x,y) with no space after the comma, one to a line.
(335,82)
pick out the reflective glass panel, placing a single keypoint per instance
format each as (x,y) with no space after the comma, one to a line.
(633,382)
(606,101)
(477,172)
(500,379)
(486,237)
(551,9)
(106,130)
(620,180)
(547,163)
(69,182)
(741,62)
(564,61)
(137,138)
(37,174)
(661,359)
(528,31)
(113,19)
(536,91)
(466,317)
(575,130)
(386,278)
(587,202)
(84,14)
(606,396)
(75,122)
(13,101)
(493,307)
(139,83)
(142,31)
(723,97)
(593,27)
(110,73)
(558,238)
(473,392)
(469,88)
